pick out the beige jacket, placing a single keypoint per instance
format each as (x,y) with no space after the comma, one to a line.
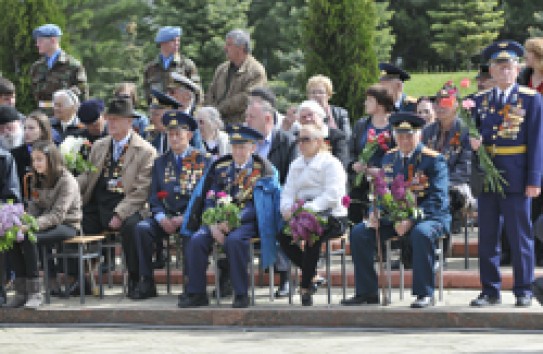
(233,102)
(135,175)
(58,205)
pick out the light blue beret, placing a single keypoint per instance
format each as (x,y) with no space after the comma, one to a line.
(48,30)
(168,33)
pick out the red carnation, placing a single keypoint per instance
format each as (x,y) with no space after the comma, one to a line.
(346,201)
(162,195)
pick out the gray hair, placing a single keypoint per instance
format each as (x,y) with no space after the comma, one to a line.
(241,39)
(314,107)
(212,115)
(71,97)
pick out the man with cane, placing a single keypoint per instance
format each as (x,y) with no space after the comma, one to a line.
(426,173)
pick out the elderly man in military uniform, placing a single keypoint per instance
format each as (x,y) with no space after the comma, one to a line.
(448,136)
(55,70)
(426,172)
(174,176)
(91,115)
(393,79)
(509,119)
(234,79)
(252,183)
(115,194)
(157,72)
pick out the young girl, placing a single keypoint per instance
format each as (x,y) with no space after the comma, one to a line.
(56,204)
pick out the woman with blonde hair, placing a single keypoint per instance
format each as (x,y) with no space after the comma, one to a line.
(211,126)
(317,179)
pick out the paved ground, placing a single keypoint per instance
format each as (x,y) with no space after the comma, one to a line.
(155,340)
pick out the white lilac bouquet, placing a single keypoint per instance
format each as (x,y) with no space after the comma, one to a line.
(73,150)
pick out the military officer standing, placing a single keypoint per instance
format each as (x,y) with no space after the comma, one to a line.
(509,119)
(55,70)
(393,78)
(252,183)
(157,72)
(427,171)
(174,176)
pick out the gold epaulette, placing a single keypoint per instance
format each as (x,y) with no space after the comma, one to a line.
(391,151)
(257,165)
(224,163)
(150,128)
(411,99)
(526,90)
(429,152)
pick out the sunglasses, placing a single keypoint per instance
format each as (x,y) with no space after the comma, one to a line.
(304,139)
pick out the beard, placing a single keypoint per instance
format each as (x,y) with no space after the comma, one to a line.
(12,140)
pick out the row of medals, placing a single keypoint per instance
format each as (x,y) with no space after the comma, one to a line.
(510,126)
(187,179)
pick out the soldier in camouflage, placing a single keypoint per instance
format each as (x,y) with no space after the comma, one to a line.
(55,70)
(157,72)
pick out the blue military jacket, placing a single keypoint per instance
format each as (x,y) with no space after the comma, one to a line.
(262,204)
(455,148)
(427,169)
(178,182)
(517,124)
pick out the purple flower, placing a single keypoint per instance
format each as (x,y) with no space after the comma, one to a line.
(398,187)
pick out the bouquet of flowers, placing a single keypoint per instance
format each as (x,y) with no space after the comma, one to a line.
(492,179)
(71,151)
(224,211)
(305,224)
(398,202)
(374,143)
(12,220)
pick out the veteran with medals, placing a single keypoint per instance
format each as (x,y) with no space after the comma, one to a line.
(174,177)
(426,174)
(114,196)
(509,118)
(253,185)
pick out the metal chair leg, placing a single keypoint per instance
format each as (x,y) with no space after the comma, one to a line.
(271,284)
(389,266)
(168,271)
(217,273)
(328,275)
(46,274)
(81,275)
(441,265)
(343,268)
(252,271)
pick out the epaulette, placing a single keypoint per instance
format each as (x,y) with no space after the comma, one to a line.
(411,99)
(429,152)
(257,165)
(526,90)
(391,151)
(223,164)
(477,94)
(149,128)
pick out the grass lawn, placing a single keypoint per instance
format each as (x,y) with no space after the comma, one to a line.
(428,84)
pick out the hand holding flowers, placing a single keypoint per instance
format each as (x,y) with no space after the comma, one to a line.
(14,224)
(71,151)
(373,144)
(222,218)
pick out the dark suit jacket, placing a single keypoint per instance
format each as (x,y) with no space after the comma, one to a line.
(22,160)
(341,117)
(338,143)
(283,151)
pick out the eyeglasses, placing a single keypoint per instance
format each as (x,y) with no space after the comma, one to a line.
(316,92)
(424,111)
(304,139)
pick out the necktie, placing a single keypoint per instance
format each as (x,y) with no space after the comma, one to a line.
(502,99)
(117,149)
(178,163)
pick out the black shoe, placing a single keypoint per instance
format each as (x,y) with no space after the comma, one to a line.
(307,299)
(74,289)
(537,289)
(146,288)
(3,296)
(193,300)
(485,300)
(523,301)
(225,285)
(422,302)
(361,300)
(240,302)
(160,261)
(131,287)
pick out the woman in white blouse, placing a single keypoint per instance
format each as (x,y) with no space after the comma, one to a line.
(319,179)
(210,123)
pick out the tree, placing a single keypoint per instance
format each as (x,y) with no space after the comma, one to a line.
(520,19)
(205,25)
(384,38)
(338,40)
(18,50)
(457,36)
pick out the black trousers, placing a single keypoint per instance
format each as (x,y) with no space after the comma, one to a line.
(308,258)
(24,259)
(92,225)
(52,238)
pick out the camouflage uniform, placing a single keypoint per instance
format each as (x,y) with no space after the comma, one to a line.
(155,77)
(66,73)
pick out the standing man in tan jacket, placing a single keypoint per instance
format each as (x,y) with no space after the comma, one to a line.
(233,79)
(115,195)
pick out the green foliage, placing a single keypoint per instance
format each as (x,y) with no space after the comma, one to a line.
(384,38)
(458,37)
(521,18)
(537,29)
(224,211)
(205,24)
(18,50)
(339,43)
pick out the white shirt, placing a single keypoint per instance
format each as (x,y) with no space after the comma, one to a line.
(506,94)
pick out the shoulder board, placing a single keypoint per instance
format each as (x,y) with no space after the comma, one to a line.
(482,93)
(222,164)
(410,99)
(257,165)
(391,151)
(526,90)
(429,152)
(149,128)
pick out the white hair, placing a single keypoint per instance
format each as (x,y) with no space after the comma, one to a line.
(314,107)
(212,115)
(72,99)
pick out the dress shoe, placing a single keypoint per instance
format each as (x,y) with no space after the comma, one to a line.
(131,287)
(283,290)
(3,296)
(307,299)
(421,302)
(192,300)
(146,288)
(523,301)
(361,300)
(240,302)
(485,300)
(537,289)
